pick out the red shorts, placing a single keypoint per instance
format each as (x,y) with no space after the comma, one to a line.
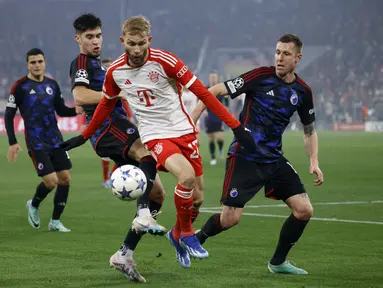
(186,145)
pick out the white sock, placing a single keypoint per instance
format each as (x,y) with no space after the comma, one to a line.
(144,212)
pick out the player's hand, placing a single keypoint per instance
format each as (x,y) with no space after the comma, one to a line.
(245,138)
(12,152)
(314,169)
(79,110)
(73,142)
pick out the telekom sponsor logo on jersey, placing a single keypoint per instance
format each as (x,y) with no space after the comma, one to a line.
(182,71)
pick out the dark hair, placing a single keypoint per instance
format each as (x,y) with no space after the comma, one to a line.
(106,60)
(287,38)
(34,52)
(86,22)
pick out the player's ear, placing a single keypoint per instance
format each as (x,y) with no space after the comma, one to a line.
(122,40)
(150,38)
(299,57)
(77,38)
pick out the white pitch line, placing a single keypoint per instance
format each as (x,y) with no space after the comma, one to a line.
(314,218)
(314,204)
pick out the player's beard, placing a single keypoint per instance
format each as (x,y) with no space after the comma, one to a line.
(137,60)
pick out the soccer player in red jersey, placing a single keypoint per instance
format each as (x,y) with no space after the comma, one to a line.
(152,80)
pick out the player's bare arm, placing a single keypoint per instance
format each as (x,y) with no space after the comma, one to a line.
(85,96)
(311,147)
(216,90)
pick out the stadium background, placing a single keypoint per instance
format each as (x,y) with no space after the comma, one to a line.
(342,62)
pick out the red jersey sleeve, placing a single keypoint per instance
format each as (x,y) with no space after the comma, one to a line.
(176,69)
(110,89)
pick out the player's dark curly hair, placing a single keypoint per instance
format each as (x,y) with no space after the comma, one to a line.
(86,22)
(287,38)
(34,52)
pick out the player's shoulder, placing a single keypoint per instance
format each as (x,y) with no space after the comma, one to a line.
(259,73)
(120,61)
(79,62)
(17,83)
(163,57)
(50,79)
(305,87)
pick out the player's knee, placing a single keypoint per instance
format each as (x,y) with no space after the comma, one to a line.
(64,179)
(187,179)
(50,181)
(304,212)
(230,218)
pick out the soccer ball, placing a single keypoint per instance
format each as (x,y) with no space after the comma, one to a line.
(128,182)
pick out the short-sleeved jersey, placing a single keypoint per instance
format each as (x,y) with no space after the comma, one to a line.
(211,117)
(89,72)
(154,93)
(269,105)
(37,102)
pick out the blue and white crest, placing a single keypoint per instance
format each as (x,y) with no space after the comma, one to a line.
(130,131)
(294,99)
(233,193)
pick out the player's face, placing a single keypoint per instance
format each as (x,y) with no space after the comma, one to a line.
(136,46)
(90,42)
(36,65)
(286,58)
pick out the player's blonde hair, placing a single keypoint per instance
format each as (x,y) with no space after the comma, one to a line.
(136,25)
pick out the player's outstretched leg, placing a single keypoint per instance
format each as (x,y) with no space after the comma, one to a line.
(291,231)
(123,259)
(145,222)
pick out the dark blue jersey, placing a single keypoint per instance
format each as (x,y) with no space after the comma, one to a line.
(89,72)
(211,117)
(269,104)
(37,103)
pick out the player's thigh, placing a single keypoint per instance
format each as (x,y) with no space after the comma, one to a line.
(137,150)
(284,183)
(116,140)
(219,135)
(243,179)
(61,162)
(180,167)
(210,137)
(162,149)
(42,162)
(188,144)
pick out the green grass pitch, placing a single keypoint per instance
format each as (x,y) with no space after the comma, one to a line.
(336,253)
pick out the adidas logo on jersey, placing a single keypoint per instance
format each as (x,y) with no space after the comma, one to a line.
(271,93)
(127,82)
(32,92)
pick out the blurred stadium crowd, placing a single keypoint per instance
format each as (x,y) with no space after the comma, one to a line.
(347,78)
